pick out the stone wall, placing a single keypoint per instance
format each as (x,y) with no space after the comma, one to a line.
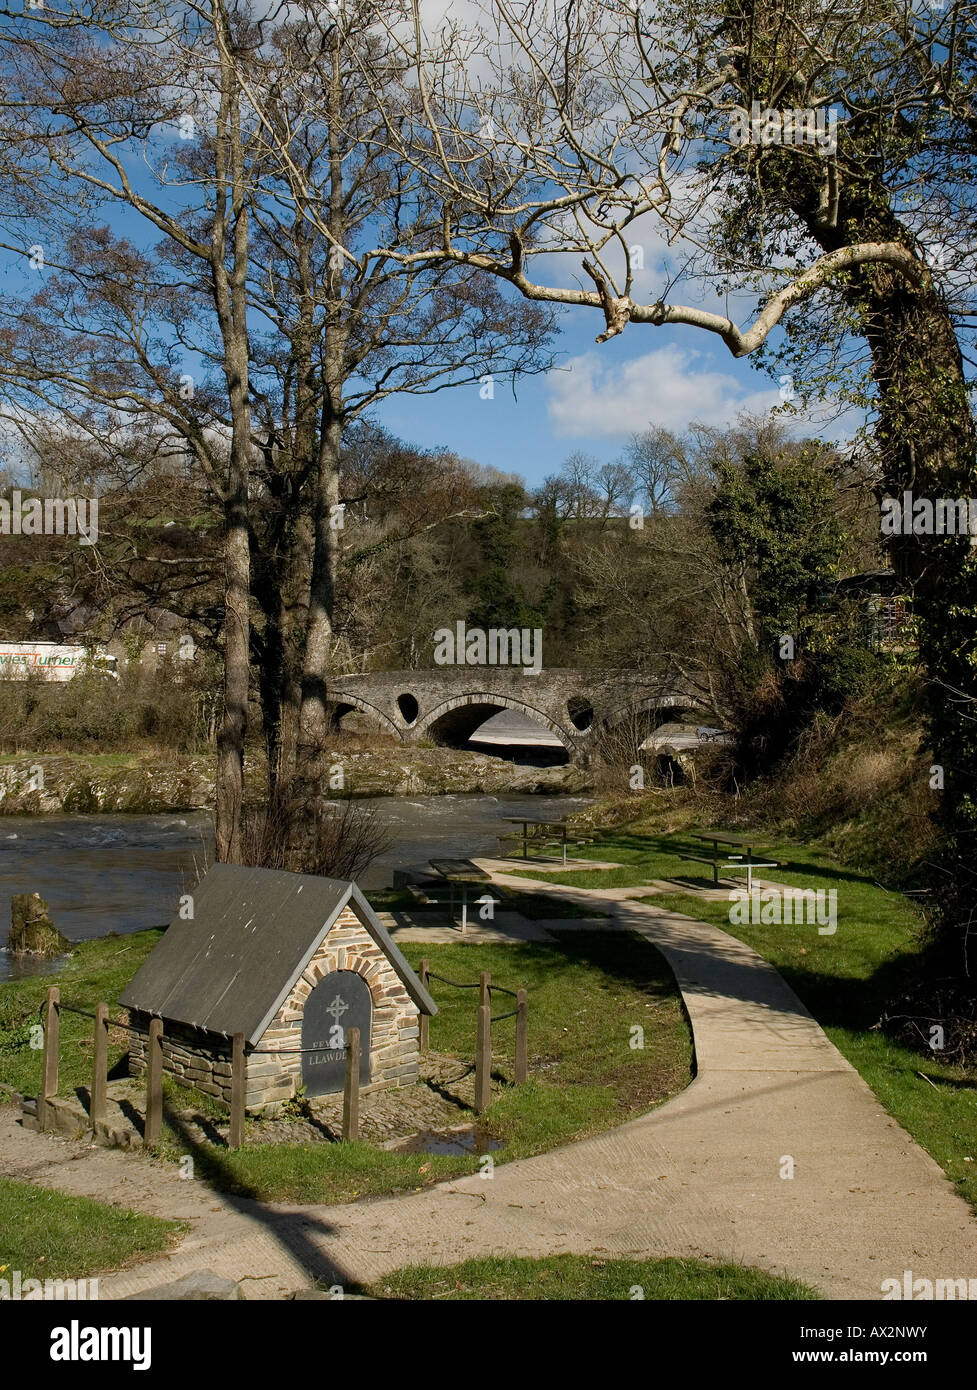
(394,1030)
(198,1059)
(203,1060)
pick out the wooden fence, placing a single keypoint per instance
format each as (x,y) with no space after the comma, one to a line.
(483,1030)
(153,1126)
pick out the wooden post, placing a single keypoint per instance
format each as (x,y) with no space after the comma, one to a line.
(239,1079)
(425,1021)
(100,1063)
(351,1091)
(154,1083)
(49,1086)
(483,1059)
(484,994)
(522,1039)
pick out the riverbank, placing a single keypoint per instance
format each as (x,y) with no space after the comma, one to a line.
(36,784)
(586,989)
(121,873)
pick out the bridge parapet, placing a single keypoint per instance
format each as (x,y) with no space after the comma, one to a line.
(448,703)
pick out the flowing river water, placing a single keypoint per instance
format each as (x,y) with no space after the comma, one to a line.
(122,873)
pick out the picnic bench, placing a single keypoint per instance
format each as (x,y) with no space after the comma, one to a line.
(713,863)
(731,861)
(557,825)
(459,875)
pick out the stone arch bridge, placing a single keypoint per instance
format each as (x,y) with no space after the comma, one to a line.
(448,704)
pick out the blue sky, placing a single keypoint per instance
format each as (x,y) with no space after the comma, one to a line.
(597,397)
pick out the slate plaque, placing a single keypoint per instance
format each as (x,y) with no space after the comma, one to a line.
(338,1002)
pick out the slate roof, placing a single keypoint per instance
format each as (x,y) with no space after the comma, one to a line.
(253,932)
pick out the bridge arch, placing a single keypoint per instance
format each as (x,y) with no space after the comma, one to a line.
(633,721)
(657,709)
(455,720)
(340,704)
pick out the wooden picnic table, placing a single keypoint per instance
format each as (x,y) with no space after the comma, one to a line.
(735,861)
(460,874)
(717,838)
(527,821)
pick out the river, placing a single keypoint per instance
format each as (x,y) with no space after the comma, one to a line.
(116,873)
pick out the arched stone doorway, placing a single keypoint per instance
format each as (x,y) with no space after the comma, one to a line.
(340,1001)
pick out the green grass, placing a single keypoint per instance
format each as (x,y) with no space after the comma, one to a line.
(96,972)
(587,991)
(328,1173)
(94,762)
(535,906)
(48,1235)
(642,859)
(846,979)
(100,759)
(393,900)
(587,1277)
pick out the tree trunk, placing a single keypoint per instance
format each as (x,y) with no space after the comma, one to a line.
(230,740)
(314,715)
(927,444)
(231,302)
(927,437)
(293,622)
(925,434)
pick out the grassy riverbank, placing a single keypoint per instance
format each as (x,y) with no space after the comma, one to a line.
(846,979)
(148,783)
(587,991)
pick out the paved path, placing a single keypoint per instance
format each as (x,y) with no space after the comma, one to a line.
(699,1176)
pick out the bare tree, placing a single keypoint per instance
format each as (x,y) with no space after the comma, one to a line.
(570,131)
(96,91)
(658,465)
(334,838)
(279,268)
(359,316)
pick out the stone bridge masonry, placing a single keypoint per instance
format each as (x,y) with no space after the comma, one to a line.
(447,704)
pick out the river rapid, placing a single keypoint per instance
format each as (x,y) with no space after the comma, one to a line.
(119,873)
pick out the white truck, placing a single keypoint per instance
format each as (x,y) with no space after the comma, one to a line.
(52,661)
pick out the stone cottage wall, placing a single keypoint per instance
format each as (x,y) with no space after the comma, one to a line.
(198,1059)
(394,1030)
(203,1060)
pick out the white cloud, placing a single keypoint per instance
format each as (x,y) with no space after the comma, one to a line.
(598,396)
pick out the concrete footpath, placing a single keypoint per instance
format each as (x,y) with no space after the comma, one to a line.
(700,1176)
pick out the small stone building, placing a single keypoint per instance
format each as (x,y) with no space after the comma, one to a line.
(291,961)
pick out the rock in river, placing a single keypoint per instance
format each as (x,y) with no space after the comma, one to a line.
(32,931)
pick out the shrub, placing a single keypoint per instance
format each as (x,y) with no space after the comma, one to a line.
(170,708)
(307,833)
